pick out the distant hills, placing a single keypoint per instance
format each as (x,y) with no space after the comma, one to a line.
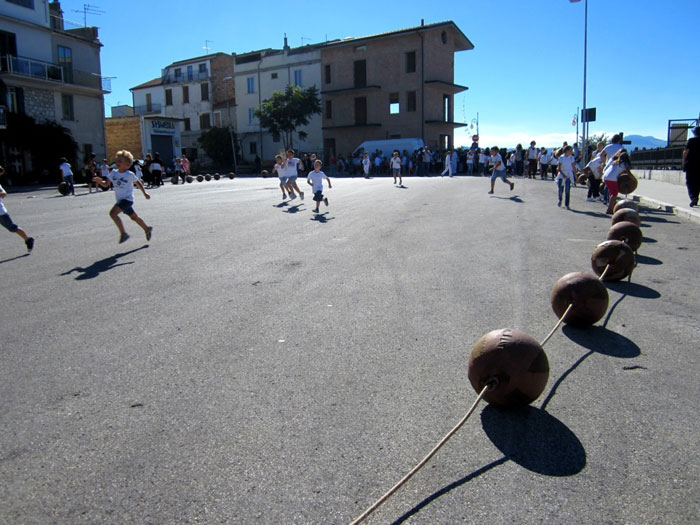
(641,142)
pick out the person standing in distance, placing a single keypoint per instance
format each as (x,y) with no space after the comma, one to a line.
(67,175)
(691,166)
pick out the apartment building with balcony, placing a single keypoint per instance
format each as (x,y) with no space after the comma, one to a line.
(50,70)
(198,93)
(391,85)
(258,75)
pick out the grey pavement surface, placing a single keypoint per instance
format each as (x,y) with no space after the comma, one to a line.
(667,197)
(256,363)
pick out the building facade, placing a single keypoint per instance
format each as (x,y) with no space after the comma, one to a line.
(258,75)
(52,73)
(199,92)
(392,85)
(143,134)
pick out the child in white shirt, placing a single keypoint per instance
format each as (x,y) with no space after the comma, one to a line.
(448,164)
(566,174)
(396,167)
(315,180)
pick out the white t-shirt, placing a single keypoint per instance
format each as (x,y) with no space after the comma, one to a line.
(104,169)
(365,164)
(495,159)
(532,153)
(316,178)
(470,158)
(612,172)
(566,166)
(278,169)
(291,168)
(395,163)
(155,166)
(123,184)
(483,158)
(594,166)
(544,158)
(138,172)
(3,210)
(553,161)
(610,151)
(65,170)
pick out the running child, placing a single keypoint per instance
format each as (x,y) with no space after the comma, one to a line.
(499,169)
(6,220)
(315,180)
(279,162)
(291,168)
(123,181)
(396,167)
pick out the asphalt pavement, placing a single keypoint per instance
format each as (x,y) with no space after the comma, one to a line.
(259,363)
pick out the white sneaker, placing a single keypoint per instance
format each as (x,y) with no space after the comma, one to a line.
(292,196)
(590,199)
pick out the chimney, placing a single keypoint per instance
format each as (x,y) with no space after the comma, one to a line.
(422,22)
(286,45)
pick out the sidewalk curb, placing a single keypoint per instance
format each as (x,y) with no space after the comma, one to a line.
(685,213)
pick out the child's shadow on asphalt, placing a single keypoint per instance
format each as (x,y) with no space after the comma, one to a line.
(98,267)
(321,217)
(281,204)
(294,209)
(514,198)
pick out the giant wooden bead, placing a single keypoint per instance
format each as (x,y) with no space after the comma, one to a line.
(617,255)
(627,232)
(626,203)
(515,360)
(626,182)
(626,214)
(587,294)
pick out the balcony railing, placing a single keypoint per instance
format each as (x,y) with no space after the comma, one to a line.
(149,109)
(52,72)
(171,78)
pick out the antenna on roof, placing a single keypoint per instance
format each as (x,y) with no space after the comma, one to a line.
(206,45)
(305,38)
(89,10)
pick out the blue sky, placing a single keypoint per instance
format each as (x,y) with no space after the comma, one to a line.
(525,74)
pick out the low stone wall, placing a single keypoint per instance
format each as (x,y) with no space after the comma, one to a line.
(671,176)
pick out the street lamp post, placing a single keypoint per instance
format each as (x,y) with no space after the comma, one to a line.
(230,128)
(584,158)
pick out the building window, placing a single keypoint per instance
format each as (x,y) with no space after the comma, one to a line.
(65,60)
(185,94)
(24,3)
(297,78)
(447,107)
(168,97)
(202,69)
(67,106)
(190,74)
(360,73)
(251,84)
(178,74)
(273,76)
(187,124)
(253,148)
(411,101)
(217,119)
(204,121)
(327,73)
(15,99)
(411,62)
(329,109)
(251,116)
(205,90)
(149,102)
(393,103)
(361,110)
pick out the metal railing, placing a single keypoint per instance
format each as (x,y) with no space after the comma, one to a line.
(31,67)
(659,158)
(151,109)
(171,78)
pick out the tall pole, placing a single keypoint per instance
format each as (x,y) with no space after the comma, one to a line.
(584,158)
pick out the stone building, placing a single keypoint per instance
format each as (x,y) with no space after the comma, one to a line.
(51,72)
(142,134)
(391,85)
(199,92)
(258,75)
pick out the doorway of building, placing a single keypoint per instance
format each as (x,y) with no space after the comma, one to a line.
(163,144)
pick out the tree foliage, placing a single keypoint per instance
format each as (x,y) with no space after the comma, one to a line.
(216,143)
(44,142)
(283,113)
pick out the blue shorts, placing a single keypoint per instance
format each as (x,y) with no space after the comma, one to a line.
(126,206)
(396,171)
(318,195)
(284,180)
(499,174)
(6,221)
(292,178)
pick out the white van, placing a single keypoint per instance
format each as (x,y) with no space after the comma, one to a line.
(387,147)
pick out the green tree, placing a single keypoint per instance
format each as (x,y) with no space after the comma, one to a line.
(216,143)
(283,113)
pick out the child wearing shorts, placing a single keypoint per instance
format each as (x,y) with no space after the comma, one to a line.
(123,181)
(315,180)
(279,160)
(499,169)
(6,220)
(396,167)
